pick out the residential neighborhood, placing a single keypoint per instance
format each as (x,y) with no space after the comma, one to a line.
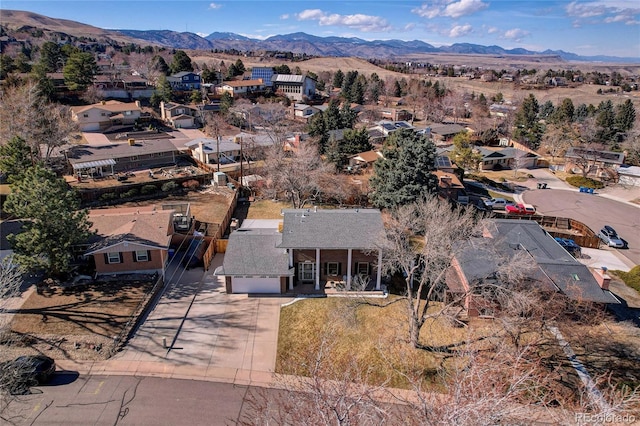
(389,237)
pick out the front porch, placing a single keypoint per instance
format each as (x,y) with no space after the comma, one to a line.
(336,289)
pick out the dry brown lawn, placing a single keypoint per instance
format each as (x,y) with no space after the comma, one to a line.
(375,338)
(266,209)
(76,323)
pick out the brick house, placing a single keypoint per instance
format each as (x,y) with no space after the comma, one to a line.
(130,240)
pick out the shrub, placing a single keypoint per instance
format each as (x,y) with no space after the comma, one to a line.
(497,167)
(108,196)
(579,181)
(148,189)
(631,278)
(130,193)
(169,186)
(191,184)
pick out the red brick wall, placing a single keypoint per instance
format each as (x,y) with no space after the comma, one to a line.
(158,259)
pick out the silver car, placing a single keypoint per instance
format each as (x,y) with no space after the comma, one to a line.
(610,237)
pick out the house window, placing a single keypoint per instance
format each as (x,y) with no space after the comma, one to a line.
(306,271)
(85,115)
(113,258)
(128,113)
(362,268)
(333,268)
(133,158)
(141,256)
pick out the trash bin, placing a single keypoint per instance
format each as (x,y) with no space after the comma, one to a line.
(582,188)
(539,185)
(591,190)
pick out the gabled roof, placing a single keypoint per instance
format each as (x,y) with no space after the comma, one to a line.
(331,229)
(182,74)
(111,106)
(136,226)
(368,156)
(243,83)
(555,267)
(254,251)
(446,129)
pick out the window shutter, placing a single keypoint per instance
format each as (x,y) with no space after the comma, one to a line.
(120,254)
(106,258)
(339,268)
(135,256)
(325,268)
(149,255)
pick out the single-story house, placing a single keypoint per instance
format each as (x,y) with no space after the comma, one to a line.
(444,133)
(130,240)
(555,269)
(210,151)
(101,116)
(365,159)
(629,175)
(395,114)
(595,162)
(507,158)
(304,111)
(178,115)
(242,87)
(128,156)
(308,247)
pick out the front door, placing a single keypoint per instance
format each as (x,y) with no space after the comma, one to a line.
(307,271)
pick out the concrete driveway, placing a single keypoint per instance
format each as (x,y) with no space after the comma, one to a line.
(205,328)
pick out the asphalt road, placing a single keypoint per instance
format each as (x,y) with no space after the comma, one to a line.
(594,211)
(128,400)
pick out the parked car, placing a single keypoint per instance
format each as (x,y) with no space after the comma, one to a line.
(610,237)
(498,203)
(19,375)
(520,209)
(569,245)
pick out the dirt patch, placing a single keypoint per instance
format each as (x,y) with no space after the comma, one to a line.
(76,323)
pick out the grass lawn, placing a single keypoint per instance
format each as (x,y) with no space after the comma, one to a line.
(374,338)
(90,315)
(266,209)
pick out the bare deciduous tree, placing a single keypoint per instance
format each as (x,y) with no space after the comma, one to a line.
(44,126)
(421,242)
(297,176)
(557,139)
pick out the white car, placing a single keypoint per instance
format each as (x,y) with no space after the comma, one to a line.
(498,203)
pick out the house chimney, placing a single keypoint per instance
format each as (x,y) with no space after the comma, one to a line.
(601,276)
(138,104)
(203,157)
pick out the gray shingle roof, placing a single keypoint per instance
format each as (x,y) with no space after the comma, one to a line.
(556,267)
(254,252)
(85,153)
(332,229)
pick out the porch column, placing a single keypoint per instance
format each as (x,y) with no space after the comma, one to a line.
(349,252)
(290,258)
(379,275)
(291,277)
(317,269)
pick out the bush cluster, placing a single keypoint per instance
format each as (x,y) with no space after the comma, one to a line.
(587,182)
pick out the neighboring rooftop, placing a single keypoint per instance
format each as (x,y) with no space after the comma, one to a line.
(254,251)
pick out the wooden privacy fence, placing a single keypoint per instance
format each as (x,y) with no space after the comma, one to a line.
(562,227)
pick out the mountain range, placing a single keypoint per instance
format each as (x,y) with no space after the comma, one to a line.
(342,46)
(296,42)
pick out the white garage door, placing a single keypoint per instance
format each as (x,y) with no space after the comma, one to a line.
(255,285)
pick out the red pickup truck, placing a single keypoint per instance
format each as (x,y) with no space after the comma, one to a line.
(520,209)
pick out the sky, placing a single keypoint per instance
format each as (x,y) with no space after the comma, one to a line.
(584,27)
